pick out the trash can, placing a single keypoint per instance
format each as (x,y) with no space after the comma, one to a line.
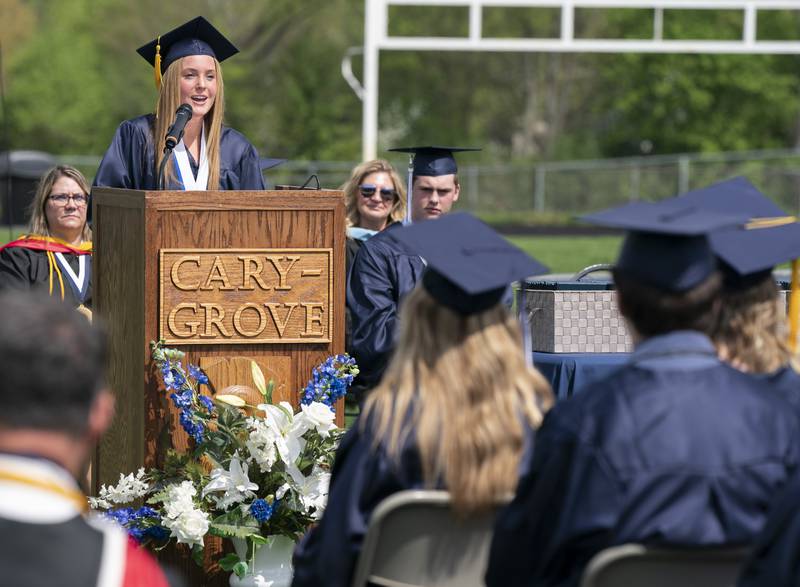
(20,172)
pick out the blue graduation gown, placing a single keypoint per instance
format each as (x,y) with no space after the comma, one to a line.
(775,558)
(673,448)
(361,479)
(383,273)
(129,161)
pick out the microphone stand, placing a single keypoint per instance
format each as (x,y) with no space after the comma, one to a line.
(163,166)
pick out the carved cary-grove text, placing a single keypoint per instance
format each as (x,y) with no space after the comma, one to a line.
(245,295)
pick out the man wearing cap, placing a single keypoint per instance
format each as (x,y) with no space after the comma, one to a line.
(55,407)
(209,156)
(675,448)
(384,271)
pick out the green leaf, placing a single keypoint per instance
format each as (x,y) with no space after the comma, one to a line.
(233,525)
(258,378)
(258,539)
(232,530)
(240,569)
(197,555)
(229,561)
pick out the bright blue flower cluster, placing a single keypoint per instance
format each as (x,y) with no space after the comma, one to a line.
(262,510)
(185,398)
(141,524)
(330,381)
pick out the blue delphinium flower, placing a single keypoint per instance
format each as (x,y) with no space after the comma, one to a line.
(261,510)
(198,375)
(140,523)
(206,401)
(330,380)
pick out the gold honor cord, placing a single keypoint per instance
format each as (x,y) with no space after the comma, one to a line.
(51,259)
(73,495)
(794,306)
(794,295)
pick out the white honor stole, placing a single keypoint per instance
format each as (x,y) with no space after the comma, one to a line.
(78,283)
(185,174)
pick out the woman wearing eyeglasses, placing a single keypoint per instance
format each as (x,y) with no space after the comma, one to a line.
(56,254)
(374,198)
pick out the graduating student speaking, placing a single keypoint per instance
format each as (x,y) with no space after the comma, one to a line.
(210,156)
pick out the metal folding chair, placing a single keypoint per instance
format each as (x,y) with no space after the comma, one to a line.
(635,565)
(415,540)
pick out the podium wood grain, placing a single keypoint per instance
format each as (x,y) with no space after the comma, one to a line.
(130,227)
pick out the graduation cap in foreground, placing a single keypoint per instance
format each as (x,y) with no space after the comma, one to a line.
(750,250)
(469,265)
(431,162)
(195,37)
(666,247)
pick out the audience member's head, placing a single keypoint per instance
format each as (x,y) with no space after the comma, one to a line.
(374,196)
(435,186)
(52,389)
(60,205)
(459,365)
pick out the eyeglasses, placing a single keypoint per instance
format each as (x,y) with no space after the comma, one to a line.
(62,199)
(368,190)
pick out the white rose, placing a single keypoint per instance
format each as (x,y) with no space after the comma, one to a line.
(320,416)
(190,527)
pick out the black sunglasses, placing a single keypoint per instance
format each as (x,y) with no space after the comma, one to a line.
(368,190)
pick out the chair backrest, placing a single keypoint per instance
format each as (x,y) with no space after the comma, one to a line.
(415,539)
(635,565)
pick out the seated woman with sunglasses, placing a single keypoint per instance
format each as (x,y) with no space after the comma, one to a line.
(56,254)
(374,198)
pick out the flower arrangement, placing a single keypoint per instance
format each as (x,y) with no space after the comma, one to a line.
(251,471)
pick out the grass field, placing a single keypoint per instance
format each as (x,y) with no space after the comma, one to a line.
(569,254)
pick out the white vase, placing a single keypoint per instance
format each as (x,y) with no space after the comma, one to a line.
(271,566)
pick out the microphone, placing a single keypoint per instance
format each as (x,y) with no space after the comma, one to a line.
(182,115)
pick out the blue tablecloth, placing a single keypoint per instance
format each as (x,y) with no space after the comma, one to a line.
(571,372)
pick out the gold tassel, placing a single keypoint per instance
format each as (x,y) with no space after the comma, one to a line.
(794,305)
(769,222)
(157,63)
(51,259)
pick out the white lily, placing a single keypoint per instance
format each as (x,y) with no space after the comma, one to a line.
(234,482)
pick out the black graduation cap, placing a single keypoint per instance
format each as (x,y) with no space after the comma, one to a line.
(749,251)
(469,265)
(429,161)
(196,37)
(666,246)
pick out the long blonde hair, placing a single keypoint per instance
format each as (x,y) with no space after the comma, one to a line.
(38,222)
(169,98)
(351,194)
(459,387)
(751,331)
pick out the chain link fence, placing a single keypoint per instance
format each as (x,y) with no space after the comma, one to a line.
(557,191)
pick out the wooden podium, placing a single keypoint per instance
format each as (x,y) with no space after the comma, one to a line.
(227,277)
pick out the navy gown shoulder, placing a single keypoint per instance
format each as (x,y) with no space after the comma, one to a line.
(645,456)
(383,273)
(129,161)
(775,558)
(362,477)
(240,168)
